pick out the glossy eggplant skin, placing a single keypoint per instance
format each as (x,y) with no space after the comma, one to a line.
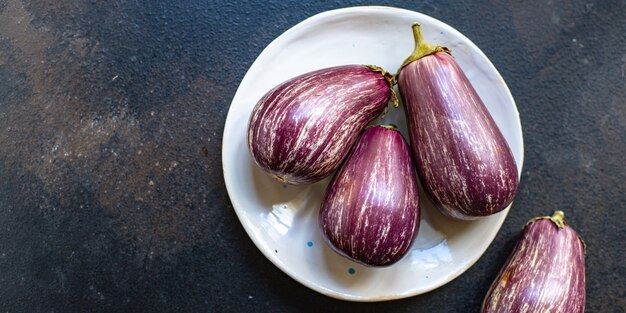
(371,211)
(301,130)
(544,273)
(463,161)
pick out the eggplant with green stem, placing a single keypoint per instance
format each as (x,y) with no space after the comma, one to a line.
(463,161)
(544,273)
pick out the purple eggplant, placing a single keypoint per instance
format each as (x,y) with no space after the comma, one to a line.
(464,163)
(301,130)
(370,212)
(545,272)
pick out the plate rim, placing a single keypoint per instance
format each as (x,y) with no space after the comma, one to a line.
(237,207)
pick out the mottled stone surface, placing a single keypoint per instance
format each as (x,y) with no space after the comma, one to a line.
(111,113)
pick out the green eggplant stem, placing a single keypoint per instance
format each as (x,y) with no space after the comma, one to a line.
(422,48)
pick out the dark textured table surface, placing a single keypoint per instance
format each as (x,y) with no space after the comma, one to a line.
(111,113)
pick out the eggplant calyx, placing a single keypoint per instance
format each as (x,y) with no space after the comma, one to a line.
(558,218)
(422,48)
(391,80)
(390,126)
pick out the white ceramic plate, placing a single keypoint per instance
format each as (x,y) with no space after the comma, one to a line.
(282,220)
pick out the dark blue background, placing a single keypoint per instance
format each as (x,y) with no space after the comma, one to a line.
(111,113)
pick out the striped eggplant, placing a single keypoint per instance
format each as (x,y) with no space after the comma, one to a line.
(545,272)
(464,163)
(301,130)
(371,212)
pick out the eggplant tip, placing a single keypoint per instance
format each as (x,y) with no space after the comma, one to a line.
(279,178)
